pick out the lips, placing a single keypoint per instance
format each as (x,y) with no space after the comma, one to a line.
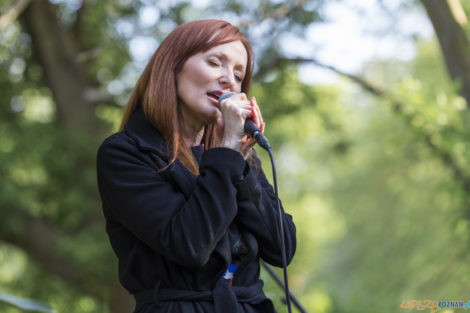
(214,96)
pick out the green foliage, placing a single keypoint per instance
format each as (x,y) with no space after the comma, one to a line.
(385,219)
(378,191)
(402,207)
(401,196)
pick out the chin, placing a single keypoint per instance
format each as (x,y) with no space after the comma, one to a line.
(213,113)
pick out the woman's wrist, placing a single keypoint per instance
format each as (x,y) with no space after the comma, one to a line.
(232,143)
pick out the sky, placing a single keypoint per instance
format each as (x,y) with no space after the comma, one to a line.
(357,32)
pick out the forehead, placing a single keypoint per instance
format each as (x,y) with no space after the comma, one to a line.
(234,51)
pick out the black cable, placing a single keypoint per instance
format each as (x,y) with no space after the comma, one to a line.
(281,233)
(252,129)
(278,280)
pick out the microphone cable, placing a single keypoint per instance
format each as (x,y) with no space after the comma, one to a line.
(252,129)
(280,229)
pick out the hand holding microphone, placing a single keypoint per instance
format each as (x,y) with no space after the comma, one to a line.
(241,118)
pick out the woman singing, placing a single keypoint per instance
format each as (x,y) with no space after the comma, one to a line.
(188,209)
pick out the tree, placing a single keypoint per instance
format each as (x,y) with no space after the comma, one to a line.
(68,69)
(449,19)
(65,84)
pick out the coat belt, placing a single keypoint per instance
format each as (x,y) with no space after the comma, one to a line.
(225,297)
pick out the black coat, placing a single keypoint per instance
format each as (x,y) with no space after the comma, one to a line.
(170,230)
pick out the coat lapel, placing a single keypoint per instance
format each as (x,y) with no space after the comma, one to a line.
(149,139)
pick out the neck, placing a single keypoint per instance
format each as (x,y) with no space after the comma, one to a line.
(192,129)
(193,134)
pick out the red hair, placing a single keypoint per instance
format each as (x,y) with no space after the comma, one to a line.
(156,88)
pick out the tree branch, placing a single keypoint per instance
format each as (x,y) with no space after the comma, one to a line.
(458,12)
(396,106)
(13,13)
(282,11)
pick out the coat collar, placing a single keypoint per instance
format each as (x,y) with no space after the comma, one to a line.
(149,139)
(146,135)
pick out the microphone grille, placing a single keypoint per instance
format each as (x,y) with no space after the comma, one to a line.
(225,95)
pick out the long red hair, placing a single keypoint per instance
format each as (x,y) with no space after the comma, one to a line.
(156,89)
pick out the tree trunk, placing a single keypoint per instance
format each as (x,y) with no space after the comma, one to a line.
(448,19)
(55,51)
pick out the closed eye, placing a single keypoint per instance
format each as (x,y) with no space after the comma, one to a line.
(239,75)
(213,62)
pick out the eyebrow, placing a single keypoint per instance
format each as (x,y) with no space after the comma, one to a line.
(224,56)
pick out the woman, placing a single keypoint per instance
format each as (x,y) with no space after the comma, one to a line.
(188,209)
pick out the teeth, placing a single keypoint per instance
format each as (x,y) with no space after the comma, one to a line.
(211,94)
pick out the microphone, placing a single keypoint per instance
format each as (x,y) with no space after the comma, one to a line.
(250,126)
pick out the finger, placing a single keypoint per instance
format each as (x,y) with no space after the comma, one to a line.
(235,100)
(245,107)
(242,109)
(254,115)
(247,146)
(226,103)
(258,112)
(238,96)
(261,129)
(246,113)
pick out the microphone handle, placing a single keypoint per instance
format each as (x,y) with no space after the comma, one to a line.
(250,127)
(253,131)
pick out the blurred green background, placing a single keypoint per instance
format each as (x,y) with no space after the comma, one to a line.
(374,165)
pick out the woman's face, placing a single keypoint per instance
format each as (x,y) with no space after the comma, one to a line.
(205,76)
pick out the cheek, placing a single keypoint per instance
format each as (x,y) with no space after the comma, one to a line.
(194,79)
(191,82)
(206,75)
(184,87)
(200,73)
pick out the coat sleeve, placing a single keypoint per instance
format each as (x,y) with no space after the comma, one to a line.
(258,213)
(184,230)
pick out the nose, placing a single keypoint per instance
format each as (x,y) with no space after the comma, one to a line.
(227,79)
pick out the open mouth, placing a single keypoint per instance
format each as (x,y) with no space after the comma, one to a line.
(213,95)
(214,98)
